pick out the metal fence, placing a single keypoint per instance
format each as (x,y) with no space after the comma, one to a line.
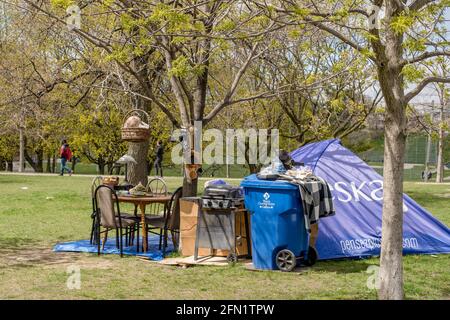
(419,148)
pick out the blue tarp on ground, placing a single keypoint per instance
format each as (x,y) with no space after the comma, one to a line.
(355,230)
(153,252)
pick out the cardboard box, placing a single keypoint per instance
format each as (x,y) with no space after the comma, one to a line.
(189,209)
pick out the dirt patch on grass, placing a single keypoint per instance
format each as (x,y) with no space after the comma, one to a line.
(46,257)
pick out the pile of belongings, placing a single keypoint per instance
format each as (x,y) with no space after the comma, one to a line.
(138,190)
(315,193)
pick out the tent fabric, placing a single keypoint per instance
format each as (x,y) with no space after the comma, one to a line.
(153,253)
(355,230)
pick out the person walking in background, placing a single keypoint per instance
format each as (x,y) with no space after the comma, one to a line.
(159,158)
(66,155)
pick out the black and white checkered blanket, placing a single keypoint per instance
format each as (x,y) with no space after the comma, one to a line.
(316,198)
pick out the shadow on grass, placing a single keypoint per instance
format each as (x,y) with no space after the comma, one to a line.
(8,180)
(344,266)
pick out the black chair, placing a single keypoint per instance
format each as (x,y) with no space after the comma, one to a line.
(169,221)
(97,181)
(109,217)
(157,187)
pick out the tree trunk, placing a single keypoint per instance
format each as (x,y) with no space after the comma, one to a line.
(39,161)
(391,264)
(138,172)
(391,272)
(21,150)
(48,166)
(111,167)
(36,165)
(30,161)
(10,165)
(101,166)
(139,151)
(440,158)
(427,158)
(74,163)
(54,164)
(391,81)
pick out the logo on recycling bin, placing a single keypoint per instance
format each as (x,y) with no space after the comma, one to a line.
(266,203)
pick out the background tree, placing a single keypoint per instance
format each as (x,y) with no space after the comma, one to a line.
(191,38)
(441,68)
(96,134)
(105,37)
(8,149)
(322,88)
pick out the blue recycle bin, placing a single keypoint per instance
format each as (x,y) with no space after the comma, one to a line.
(277,223)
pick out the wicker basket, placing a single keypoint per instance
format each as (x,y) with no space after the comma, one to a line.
(135,134)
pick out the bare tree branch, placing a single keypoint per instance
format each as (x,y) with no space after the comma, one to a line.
(105,45)
(423,84)
(419,4)
(337,34)
(232,89)
(426,55)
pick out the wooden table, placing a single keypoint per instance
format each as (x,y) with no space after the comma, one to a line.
(142,202)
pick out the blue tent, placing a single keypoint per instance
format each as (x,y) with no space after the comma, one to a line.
(355,230)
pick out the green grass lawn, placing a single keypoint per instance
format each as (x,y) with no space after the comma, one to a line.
(55,209)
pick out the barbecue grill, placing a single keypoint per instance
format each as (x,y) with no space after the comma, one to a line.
(216,225)
(222,197)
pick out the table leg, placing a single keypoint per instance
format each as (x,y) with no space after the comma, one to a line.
(144,228)
(165,231)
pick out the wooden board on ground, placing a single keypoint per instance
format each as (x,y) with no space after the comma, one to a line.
(202,261)
(207,261)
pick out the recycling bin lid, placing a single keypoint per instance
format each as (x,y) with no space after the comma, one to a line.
(252,181)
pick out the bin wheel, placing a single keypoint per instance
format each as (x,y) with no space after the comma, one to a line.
(286,260)
(232,258)
(311,256)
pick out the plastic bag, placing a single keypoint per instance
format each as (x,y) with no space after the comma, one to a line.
(277,166)
(215,182)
